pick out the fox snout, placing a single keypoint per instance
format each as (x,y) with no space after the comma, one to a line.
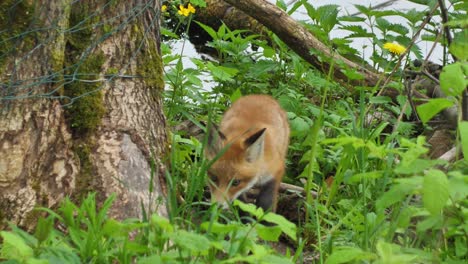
(220,198)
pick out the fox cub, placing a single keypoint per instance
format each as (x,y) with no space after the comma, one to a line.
(253,138)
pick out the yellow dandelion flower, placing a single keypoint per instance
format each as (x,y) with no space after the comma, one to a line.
(191,9)
(394,48)
(186,11)
(164,8)
(182,11)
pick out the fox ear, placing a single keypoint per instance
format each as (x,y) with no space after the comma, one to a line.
(215,141)
(254,145)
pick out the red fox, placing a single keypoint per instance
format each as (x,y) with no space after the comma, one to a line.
(254,138)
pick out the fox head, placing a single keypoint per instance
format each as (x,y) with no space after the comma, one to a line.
(238,163)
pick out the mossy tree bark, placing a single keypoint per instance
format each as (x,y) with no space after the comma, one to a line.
(81,106)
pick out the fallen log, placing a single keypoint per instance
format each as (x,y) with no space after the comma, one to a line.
(295,35)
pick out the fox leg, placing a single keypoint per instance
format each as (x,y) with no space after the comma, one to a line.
(266,199)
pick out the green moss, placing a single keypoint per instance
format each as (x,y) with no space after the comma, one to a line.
(151,68)
(84,182)
(15,19)
(87,108)
(58,59)
(83,66)
(107,28)
(113,3)
(112,71)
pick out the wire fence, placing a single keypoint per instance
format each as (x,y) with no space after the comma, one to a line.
(31,31)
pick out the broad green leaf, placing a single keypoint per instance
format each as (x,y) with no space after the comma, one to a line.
(435,191)
(461,246)
(281,4)
(404,218)
(400,29)
(200,3)
(208,30)
(352,19)
(136,247)
(463,128)
(363,9)
(268,52)
(433,107)
(274,259)
(382,23)
(452,79)
(397,193)
(286,226)
(415,150)
(293,9)
(328,16)
(299,126)
(413,15)
(458,184)
(114,228)
(268,233)
(235,95)
(221,73)
(352,74)
(162,222)
(459,45)
(27,238)
(417,166)
(196,243)
(391,254)
(431,222)
(218,228)
(168,33)
(249,208)
(357,31)
(14,247)
(60,254)
(43,228)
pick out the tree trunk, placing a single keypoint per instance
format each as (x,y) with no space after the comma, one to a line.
(81,106)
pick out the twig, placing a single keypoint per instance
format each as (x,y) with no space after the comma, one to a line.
(443,14)
(289,187)
(449,155)
(430,76)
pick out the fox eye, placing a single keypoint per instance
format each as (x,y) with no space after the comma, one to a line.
(235,182)
(213,178)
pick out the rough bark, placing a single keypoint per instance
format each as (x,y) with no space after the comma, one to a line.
(37,166)
(44,156)
(296,36)
(217,10)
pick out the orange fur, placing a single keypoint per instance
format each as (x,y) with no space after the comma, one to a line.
(257,130)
